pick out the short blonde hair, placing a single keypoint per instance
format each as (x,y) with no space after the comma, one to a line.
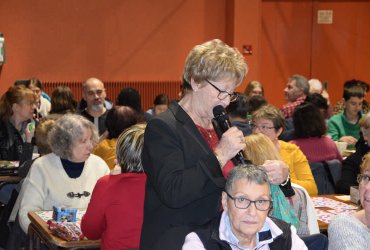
(365,164)
(260,148)
(214,60)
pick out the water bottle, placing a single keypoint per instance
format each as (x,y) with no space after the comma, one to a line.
(2,49)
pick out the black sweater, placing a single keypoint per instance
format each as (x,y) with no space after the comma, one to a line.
(351,168)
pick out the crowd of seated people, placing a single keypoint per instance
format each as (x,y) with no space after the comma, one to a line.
(72,169)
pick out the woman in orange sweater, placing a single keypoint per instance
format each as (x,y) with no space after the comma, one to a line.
(270,121)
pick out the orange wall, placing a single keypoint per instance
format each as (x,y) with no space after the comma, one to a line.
(112,40)
(149,40)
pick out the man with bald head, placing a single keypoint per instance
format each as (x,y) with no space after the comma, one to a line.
(94,95)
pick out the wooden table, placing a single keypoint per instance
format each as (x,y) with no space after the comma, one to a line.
(322,225)
(38,230)
(9,178)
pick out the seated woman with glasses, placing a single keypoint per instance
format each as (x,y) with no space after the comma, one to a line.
(352,231)
(244,223)
(67,176)
(269,121)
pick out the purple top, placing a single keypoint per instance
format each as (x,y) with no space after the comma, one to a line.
(318,149)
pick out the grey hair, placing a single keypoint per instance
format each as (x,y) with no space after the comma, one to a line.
(249,172)
(214,60)
(67,131)
(301,82)
(129,147)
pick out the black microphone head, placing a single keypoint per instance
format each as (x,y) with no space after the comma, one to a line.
(218,110)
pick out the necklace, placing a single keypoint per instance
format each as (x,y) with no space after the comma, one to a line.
(205,132)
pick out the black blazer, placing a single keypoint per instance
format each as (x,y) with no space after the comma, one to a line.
(184,180)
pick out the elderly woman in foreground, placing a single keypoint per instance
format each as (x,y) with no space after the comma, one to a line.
(67,176)
(352,231)
(244,223)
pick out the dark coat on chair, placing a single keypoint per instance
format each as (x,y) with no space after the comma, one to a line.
(351,168)
(12,147)
(184,180)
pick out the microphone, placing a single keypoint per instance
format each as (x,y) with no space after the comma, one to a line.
(221,123)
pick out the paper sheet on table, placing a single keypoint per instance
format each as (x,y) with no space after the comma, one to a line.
(343,197)
(327,215)
(330,203)
(324,216)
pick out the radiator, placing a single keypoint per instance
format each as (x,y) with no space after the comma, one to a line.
(147,89)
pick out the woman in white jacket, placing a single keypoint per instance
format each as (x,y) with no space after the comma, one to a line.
(67,176)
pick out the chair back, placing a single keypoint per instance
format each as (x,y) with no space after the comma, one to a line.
(305,209)
(5,214)
(326,174)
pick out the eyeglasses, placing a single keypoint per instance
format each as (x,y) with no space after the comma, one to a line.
(223,94)
(243,203)
(261,127)
(363,178)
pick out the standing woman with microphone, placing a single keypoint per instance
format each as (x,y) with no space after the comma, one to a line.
(182,155)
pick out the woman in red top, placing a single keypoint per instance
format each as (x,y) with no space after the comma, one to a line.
(115,211)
